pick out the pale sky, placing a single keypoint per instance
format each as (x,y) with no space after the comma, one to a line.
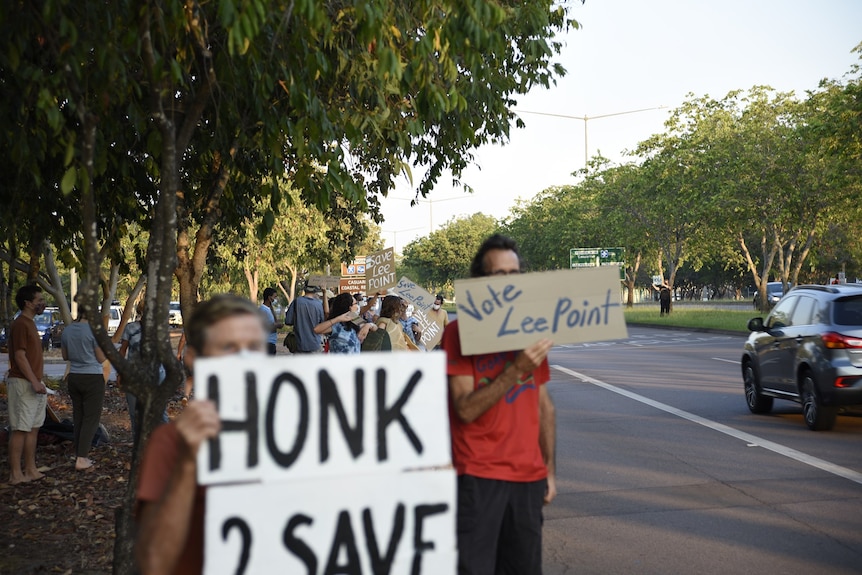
(633,55)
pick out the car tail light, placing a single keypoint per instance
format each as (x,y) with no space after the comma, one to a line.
(834,340)
(845,381)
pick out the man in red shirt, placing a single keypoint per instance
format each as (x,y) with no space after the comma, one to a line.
(25,389)
(170,503)
(503,440)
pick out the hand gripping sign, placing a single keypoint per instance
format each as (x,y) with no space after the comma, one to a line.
(328,464)
(503,313)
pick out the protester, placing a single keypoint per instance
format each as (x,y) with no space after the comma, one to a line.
(270,299)
(438,315)
(370,309)
(130,348)
(26,392)
(502,443)
(345,336)
(86,382)
(410,326)
(390,312)
(170,503)
(304,314)
(663,297)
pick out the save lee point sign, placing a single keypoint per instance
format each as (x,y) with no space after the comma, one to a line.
(503,313)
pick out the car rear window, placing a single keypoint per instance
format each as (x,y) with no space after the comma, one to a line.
(848,311)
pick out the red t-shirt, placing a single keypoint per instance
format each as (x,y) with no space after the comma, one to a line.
(158,464)
(502,443)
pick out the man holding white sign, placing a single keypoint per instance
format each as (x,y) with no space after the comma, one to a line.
(503,441)
(170,504)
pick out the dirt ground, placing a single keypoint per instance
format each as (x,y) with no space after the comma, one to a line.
(64,523)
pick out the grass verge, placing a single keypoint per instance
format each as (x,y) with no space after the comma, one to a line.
(734,320)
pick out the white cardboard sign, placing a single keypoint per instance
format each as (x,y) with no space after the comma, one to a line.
(309,416)
(400,523)
(432,331)
(504,313)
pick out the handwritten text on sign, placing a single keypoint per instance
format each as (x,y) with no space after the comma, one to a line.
(402,523)
(380,271)
(502,313)
(324,415)
(432,331)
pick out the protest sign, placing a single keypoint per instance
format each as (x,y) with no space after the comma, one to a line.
(503,313)
(326,282)
(422,301)
(402,523)
(380,271)
(323,415)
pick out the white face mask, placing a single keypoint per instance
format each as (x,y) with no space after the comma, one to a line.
(436,306)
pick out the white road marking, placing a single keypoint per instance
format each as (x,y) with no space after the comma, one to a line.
(751,440)
(736,361)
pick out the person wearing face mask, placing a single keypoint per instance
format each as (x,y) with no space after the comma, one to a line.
(170,505)
(344,335)
(438,315)
(267,307)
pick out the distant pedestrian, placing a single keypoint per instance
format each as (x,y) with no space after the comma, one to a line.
(86,385)
(304,314)
(27,394)
(663,297)
(270,298)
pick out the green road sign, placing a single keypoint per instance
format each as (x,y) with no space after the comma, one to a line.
(593,257)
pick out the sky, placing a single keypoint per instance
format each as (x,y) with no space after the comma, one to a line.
(633,55)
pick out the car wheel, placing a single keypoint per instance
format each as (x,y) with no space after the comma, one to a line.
(757,402)
(817,417)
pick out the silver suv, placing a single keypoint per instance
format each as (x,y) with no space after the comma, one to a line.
(807,350)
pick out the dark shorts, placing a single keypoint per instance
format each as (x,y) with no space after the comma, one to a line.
(499,526)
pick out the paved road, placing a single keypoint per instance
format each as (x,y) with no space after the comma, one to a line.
(662,469)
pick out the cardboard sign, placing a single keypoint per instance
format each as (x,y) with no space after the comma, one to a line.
(326,282)
(398,524)
(503,313)
(307,416)
(422,301)
(380,271)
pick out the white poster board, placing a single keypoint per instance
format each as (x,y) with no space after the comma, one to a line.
(432,331)
(503,313)
(322,415)
(380,271)
(328,464)
(397,524)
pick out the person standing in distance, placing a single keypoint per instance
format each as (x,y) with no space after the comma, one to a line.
(27,394)
(503,441)
(267,307)
(304,314)
(170,505)
(438,315)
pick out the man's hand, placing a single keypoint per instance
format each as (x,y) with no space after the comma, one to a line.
(198,422)
(551,493)
(532,357)
(39,387)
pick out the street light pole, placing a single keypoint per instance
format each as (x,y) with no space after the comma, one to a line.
(586,118)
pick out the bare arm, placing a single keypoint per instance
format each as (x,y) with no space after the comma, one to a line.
(548,440)
(164,524)
(470,403)
(326,325)
(24,366)
(100,355)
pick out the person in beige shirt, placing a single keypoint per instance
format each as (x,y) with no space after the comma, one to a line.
(390,312)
